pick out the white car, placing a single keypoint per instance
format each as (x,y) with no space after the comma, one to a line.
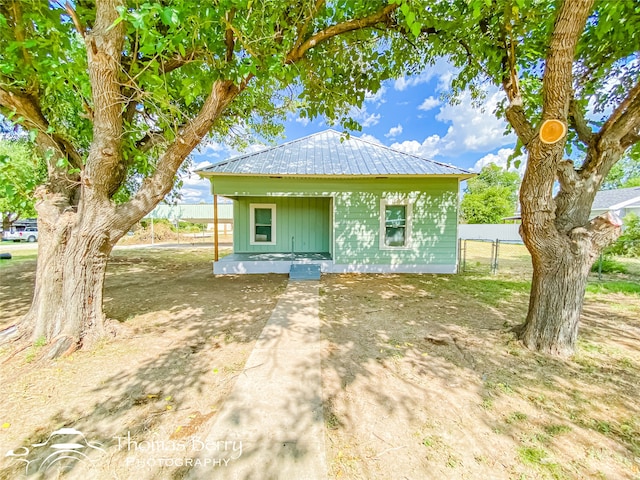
(21,234)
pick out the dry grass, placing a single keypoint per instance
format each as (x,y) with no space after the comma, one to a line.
(421,375)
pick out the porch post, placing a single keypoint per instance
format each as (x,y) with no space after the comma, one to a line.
(215,225)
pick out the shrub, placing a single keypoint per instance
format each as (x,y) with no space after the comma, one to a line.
(628,243)
(609,265)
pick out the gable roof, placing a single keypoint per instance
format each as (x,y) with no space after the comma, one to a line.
(329,153)
(615,199)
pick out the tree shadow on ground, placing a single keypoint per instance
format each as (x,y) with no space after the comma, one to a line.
(188,337)
(427,365)
(418,371)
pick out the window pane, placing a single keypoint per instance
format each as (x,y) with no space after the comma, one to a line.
(263,233)
(394,237)
(395,215)
(263,216)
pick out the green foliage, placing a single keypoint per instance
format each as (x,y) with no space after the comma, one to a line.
(607,264)
(172,54)
(21,170)
(625,173)
(490,196)
(628,244)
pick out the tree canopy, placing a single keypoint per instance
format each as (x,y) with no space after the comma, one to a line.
(625,173)
(118,93)
(490,196)
(21,170)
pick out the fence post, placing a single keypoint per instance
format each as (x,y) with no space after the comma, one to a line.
(464,257)
(600,267)
(494,256)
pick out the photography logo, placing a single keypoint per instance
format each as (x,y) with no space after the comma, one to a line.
(62,450)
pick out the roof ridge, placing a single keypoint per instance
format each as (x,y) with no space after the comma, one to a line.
(409,163)
(248,155)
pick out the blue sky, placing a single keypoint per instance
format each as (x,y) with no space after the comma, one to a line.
(407,114)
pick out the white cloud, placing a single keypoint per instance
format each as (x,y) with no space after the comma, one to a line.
(473,128)
(211,148)
(442,69)
(394,131)
(370,138)
(427,149)
(304,121)
(403,83)
(199,165)
(363,117)
(376,98)
(429,104)
(501,159)
(370,120)
(194,180)
(192,195)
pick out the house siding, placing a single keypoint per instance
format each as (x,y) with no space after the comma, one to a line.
(355,232)
(306,220)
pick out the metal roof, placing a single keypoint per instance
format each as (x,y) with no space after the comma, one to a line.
(613,199)
(329,153)
(201,213)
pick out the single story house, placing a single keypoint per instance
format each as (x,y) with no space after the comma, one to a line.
(342,205)
(621,201)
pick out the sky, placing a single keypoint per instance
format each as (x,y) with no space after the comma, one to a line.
(406,114)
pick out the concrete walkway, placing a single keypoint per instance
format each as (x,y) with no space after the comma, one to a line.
(271,426)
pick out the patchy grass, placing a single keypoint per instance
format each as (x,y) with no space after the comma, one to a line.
(438,351)
(422,375)
(620,286)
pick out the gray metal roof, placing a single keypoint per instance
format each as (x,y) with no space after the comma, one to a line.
(606,199)
(330,153)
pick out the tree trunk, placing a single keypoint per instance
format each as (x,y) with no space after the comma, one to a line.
(72,258)
(555,304)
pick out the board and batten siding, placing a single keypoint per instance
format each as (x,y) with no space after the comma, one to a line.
(305,220)
(356,216)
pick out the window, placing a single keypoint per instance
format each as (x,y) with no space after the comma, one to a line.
(263,223)
(395,217)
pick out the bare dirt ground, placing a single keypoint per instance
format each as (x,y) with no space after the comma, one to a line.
(421,376)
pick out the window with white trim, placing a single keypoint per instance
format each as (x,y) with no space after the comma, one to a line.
(262,223)
(395,224)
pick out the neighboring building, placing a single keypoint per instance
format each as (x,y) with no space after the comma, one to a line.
(196,213)
(621,202)
(345,205)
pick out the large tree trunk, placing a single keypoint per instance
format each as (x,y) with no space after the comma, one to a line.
(555,304)
(72,258)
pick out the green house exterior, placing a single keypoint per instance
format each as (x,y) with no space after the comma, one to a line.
(346,205)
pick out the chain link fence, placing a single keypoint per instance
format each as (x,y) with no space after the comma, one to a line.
(494,256)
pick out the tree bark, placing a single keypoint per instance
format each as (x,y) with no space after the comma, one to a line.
(555,303)
(72,258)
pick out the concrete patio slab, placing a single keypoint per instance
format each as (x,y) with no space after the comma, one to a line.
(271,425)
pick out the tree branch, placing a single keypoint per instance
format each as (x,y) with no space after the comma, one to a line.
(228,35)
(558,73)
(155,187)
(519,121)
(381,16)
(625,119)
(27,107)
(579,124)
(304,28)
(74,17)
(619,132)
(179,61)
(604,230)
(150,140)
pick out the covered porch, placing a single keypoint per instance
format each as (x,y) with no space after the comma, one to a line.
(241,263)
